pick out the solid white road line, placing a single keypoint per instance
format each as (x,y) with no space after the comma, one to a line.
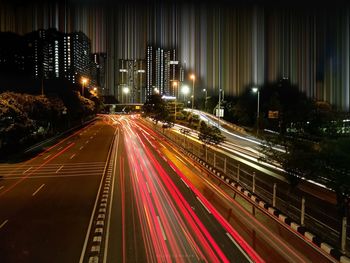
(38,189)
(4,223)
(59,169)
(27,170)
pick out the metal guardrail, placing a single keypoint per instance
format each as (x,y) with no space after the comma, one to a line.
(234,170)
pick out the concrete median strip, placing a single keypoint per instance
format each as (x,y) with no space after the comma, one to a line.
(334,252)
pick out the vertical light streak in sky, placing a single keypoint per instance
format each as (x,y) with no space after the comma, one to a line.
(224,45)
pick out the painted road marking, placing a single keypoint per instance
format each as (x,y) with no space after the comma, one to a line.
(3,224)
(87,142)
(180,159)
(185,183)
(27,170)
(236,244)
(91,137)
(60,148)
(38,189)
(1,187)
(72,156)
(59,169)
(47,156)
(81,147)
(206,208)
(161,227)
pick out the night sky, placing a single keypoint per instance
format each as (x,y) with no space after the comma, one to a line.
(228,45)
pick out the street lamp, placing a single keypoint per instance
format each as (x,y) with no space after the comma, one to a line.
(206,96)
(256,90)
(126,90)
(185,90)
(156,90)
(175,93)
(83,82)
(193,77)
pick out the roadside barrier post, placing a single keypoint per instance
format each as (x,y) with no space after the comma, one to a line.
(253,182)
(225,165)
(343,234)
(302,211)
(274,195)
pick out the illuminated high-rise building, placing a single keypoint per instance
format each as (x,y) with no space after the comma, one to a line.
(131,76)
(162,69)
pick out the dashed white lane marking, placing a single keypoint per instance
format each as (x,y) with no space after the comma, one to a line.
(1,187)
(27,170)
(161,227)
(3,224)
(238,246)
(72,156)
(81,147)
(91,137)
(37,190)
(179,159)
(60,148)
(47,156)
(59,169)
(185,183)
(206,208)
(87,142)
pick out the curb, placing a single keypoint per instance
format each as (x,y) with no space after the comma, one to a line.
(334,252)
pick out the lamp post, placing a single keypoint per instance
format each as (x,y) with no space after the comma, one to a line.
(206,96)
(185,90)
(83,82)
(193,77)
(175,84)
(126,90)
(256,90)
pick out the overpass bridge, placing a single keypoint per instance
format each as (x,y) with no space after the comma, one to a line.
(124,107)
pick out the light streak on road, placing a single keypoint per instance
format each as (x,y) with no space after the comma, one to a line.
(162,208)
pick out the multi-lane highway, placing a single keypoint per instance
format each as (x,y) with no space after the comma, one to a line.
(46,202)
(117,191)
(105,194)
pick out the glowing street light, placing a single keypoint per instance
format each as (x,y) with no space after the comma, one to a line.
(175,86)
(126,90)
(256,90)
(193,77)
(206,97)
(185,90)
(84,81)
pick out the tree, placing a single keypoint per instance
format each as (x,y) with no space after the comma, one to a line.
(297,157)
(155,108)
(334,165)
(210,135)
